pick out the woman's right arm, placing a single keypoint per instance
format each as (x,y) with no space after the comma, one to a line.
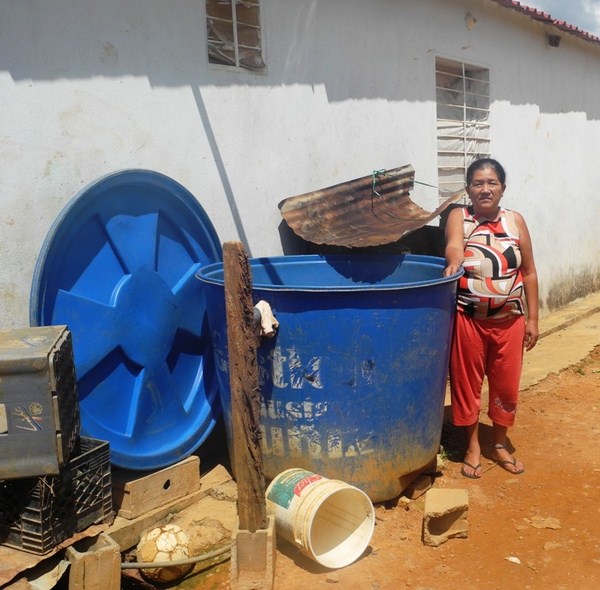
(454,242)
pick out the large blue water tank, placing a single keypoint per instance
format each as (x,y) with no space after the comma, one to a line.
(353,384)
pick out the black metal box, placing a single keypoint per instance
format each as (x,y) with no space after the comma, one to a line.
(39,408)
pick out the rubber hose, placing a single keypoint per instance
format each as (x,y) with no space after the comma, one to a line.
(136,565)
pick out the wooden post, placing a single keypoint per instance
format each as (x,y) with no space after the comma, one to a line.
(245,391)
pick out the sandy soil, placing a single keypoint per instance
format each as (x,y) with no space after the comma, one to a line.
(536,530)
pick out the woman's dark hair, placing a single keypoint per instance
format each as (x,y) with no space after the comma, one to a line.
(486,163)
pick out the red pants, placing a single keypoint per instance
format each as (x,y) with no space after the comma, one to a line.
(486,348)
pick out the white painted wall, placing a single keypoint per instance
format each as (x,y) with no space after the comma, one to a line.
(89,87)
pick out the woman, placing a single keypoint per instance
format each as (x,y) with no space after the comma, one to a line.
(492,325)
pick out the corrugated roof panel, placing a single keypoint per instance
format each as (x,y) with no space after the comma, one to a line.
(369,211)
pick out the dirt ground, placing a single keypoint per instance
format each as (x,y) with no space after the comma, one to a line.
(536,530)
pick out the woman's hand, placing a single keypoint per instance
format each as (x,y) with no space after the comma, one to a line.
(451,269)
(532,334)
(530,284)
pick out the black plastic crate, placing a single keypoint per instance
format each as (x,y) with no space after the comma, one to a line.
(39,407)
(36,514)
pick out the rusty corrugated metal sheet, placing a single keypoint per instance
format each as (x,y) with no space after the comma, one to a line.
(368,211)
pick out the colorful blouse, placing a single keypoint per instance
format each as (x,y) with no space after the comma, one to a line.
(492,285)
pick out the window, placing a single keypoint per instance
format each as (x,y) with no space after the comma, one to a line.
(234,36)
(463,114)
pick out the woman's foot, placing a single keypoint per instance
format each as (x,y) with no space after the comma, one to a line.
(501,455)
(471,466)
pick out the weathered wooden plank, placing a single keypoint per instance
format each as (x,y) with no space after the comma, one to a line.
(134,494)
(127,532)
(244,385)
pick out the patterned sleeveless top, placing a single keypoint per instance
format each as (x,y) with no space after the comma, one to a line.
(492,285)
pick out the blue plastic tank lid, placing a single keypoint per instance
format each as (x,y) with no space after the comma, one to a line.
(118,267)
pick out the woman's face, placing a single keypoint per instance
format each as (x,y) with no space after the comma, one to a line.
(485,192)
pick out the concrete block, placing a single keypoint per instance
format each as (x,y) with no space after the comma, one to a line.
(253,558)
(445,516)
(419,486)
(95,564)
(407,480)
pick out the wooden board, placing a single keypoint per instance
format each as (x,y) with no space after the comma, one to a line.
(135,494)
(127,532)
(245,388)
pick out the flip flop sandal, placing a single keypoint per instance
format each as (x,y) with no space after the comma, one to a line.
(504,464)
(473,467)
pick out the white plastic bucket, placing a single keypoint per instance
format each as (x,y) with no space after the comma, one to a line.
(330,521)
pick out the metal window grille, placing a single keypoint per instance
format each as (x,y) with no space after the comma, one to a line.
(463,120)
(234,34)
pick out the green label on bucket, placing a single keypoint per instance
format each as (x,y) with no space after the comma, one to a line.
(286,487)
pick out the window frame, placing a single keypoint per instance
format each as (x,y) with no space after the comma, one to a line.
(471,97)
(238,66)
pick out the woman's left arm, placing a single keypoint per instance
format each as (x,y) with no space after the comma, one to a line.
(530,284)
